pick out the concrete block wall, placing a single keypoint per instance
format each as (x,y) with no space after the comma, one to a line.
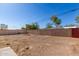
(72,32)
(11,32)
(52,32)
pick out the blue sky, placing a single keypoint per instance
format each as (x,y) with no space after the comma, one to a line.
(16,15)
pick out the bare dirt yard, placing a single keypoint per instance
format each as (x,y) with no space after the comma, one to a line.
(39,45)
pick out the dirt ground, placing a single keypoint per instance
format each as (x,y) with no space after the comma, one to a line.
(39,45)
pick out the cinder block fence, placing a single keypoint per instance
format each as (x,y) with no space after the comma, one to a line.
(12,32)
(52,32)
(71,32)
